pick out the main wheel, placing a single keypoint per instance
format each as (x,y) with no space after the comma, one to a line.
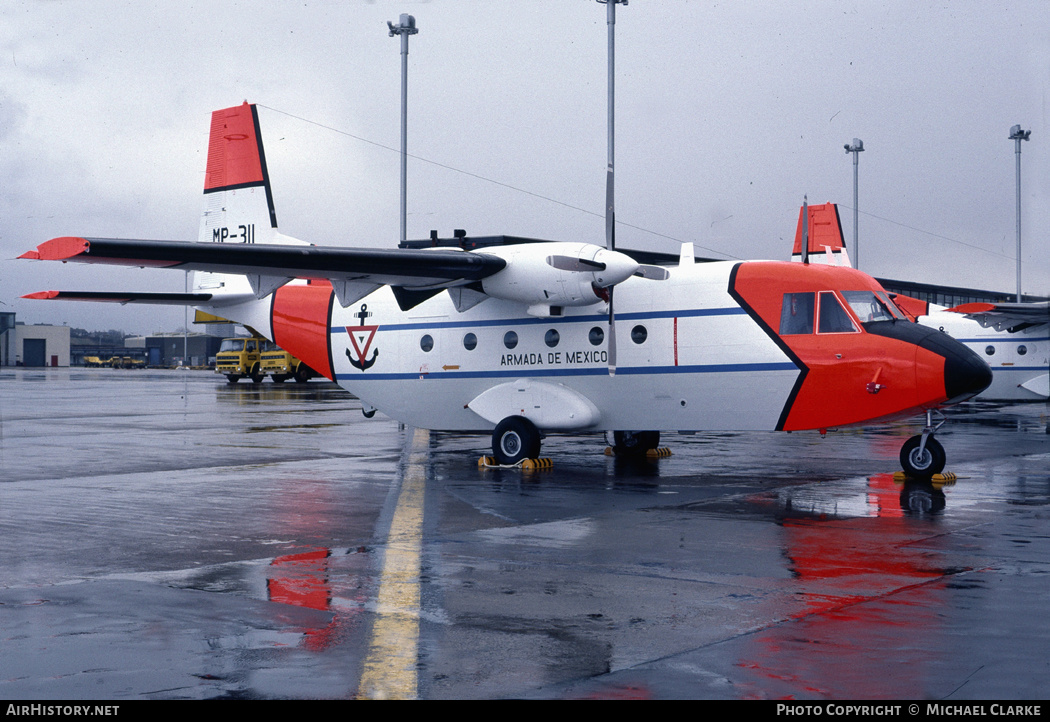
(635,442)
(922,465)
(514,439)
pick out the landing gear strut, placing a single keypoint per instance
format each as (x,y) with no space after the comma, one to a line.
(923,456)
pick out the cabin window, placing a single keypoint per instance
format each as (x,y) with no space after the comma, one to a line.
(1022,350)
(596,336)
(989,350)
(639,334)
(796,314)
(470,342)
(833,317)
(427,342)
(867,306)
(510,339)
(551,338)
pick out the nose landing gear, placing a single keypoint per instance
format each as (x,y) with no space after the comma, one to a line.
(922,456)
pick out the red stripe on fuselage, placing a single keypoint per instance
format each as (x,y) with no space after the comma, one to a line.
(840,366)
(300,319)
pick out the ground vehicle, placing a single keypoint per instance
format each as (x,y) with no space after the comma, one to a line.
(240,357)
(281,365)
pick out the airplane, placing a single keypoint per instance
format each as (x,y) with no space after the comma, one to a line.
(1013,338)
(518,337)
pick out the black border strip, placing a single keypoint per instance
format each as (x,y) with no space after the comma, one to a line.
(803,369)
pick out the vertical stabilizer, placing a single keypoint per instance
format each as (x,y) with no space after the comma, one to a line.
(826,244)
(238,203)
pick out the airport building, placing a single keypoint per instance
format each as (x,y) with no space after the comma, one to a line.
(39,346)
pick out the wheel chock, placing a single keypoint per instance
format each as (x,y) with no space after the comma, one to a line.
(649,453)
(489,462)
(945,478)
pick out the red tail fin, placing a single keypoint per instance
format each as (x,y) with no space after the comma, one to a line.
(825,230)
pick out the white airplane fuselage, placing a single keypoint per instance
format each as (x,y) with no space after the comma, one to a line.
(1020,361)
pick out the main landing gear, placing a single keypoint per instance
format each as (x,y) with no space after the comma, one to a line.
(923,456)
(635,443)
(516,439)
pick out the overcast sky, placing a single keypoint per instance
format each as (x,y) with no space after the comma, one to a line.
(727,114)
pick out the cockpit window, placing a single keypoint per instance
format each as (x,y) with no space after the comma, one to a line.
(868,306)
(890,304)
(833,317)
(796,314)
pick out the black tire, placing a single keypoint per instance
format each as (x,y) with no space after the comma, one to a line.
(635,442)
(302,374)
(232,378)
(925,465)
(515,438)
(256,375)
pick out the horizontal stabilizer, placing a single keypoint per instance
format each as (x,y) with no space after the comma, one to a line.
(167,299)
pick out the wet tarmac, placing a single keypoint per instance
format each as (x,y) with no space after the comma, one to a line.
(168,536)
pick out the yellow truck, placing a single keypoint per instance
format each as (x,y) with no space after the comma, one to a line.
(281,366)
(239,358)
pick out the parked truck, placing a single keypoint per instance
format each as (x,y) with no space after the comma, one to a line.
(239,358)
(281,366)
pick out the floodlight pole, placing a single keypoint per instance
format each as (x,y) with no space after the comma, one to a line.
(1017,135)
(610,210)
(855,149)
(405,27)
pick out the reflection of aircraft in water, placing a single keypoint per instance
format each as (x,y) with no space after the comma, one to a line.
(519,338)
(1013,338)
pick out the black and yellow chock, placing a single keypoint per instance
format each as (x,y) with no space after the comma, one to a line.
(489,462)
(946,478)
(649,453)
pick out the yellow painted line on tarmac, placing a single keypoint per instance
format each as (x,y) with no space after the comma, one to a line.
(390,667)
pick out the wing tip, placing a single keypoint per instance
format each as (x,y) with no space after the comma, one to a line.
(58,249)
(42,295)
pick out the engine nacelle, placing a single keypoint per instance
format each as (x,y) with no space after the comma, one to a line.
(556,274)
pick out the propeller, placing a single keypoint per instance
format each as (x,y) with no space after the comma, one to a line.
(572,263)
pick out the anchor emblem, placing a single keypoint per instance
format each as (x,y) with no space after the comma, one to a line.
(361,338)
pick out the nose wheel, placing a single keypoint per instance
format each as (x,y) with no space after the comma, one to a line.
(922,456)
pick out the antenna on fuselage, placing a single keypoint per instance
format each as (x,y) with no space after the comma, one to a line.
(805,229)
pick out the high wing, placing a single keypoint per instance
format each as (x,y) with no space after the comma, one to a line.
(1010,317)
(352,271)
(410,268)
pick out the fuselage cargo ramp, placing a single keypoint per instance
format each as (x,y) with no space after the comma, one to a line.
(519,338)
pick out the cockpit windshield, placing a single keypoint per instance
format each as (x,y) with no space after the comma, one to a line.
(232,344)
(871,307)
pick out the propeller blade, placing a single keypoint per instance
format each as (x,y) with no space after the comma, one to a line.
(612,335)
(610,213)
(569,263)
(653,273)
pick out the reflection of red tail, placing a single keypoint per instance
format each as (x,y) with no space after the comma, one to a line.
(825,237)
(302,580)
